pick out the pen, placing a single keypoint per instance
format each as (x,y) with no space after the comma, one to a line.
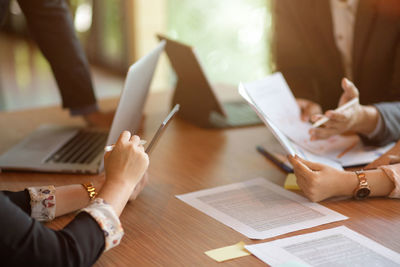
(110,148)
(272,158)
(341,108)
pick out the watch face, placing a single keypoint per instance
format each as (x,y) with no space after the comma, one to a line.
(363,193)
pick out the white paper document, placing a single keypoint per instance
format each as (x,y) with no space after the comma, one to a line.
(272,99)
(273,96)
(290,147)
(260,209)
(338,246)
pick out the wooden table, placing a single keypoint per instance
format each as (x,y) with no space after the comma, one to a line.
(161,230)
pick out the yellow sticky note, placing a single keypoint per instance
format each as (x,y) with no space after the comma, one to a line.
(291,183)
(228,253)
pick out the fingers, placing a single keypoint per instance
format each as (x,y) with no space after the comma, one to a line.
(316,117)
(349,88)
(314,166)
(299,166)
(336,116)
(308,108)
(107,154)
(350,91)
(135,140)
(124,137)
(394,159)
(322,133)
(337,124)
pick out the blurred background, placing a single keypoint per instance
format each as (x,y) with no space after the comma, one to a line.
(231,38)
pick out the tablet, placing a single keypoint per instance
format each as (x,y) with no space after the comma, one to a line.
(161,129)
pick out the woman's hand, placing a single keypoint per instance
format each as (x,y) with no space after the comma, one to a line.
(319,181)
(308,108)
(127,162)
(125,167)
(139,187)
(357,118)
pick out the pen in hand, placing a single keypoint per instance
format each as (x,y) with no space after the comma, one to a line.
(111,147)
(345,106)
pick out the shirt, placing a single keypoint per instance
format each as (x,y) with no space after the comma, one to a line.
(344,17)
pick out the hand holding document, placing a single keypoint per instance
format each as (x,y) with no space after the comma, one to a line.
(338,246)
(275,104)
(260,209)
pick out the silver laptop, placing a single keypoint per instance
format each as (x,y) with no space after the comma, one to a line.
(80,150)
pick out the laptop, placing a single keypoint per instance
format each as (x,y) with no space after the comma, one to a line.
(53,148)
(196,95)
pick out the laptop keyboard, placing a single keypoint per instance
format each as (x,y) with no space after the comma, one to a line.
(82,148)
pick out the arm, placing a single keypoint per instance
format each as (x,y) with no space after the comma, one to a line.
(320,182)
(80,243)
(390,130)
(51,25)
(25,241)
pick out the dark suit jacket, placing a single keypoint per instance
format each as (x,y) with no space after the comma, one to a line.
(50,23)
(26,242)
(305,50)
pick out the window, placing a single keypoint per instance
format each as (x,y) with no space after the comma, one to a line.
(231,37)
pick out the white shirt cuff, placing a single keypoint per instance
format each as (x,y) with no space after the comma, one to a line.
(108,221)
(43,202)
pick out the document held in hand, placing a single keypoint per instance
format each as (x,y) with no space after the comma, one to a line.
(275,104)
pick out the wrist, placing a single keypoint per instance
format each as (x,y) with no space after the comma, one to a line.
(367,120)
(348,183)
(120,181)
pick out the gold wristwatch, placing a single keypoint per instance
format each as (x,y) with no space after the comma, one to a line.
(362,191)
(90,189)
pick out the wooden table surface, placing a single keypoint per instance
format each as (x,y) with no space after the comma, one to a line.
(161,230)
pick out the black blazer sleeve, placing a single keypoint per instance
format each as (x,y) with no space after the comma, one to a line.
(21,199)
(50,23)
(26,242)
(390,114)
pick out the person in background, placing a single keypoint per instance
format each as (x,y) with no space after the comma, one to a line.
(317,42)
(50,24)
(24,241)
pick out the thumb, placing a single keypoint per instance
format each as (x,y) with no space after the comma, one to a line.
(350,91)
(311,165)
(106,155)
